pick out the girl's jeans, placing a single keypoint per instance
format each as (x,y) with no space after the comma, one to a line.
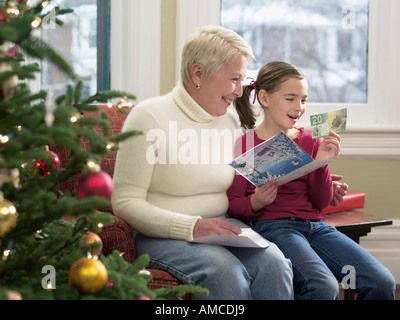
(229,273)
(321,256)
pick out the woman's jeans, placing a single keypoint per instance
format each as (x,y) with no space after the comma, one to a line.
(229,273)
(321,256)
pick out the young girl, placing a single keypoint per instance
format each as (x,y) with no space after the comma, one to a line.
(291,215)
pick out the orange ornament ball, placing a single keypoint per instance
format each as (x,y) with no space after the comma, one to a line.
(90,238)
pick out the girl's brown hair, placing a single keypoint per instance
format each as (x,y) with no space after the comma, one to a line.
(269,78)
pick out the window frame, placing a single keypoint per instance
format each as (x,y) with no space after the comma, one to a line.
(372,131)
(103,49)
(103,37)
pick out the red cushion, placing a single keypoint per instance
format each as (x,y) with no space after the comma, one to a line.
(107,164)
(162,279)
(117,120)
(119,236)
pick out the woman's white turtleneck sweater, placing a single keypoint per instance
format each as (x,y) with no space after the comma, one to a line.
(177,171)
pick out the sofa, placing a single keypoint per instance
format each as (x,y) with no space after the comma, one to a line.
(118,235)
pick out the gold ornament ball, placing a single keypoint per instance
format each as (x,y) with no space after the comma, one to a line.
(92,238)
(11,10)
(124,105)
(8,216)
(88,275)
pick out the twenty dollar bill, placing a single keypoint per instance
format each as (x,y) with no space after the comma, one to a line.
(322,124)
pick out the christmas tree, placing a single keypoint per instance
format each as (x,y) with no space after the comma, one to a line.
(44,255)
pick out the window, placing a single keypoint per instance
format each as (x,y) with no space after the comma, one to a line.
(82,41)
(372,126)
(327,40)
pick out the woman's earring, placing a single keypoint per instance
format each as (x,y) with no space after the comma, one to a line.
(197,86)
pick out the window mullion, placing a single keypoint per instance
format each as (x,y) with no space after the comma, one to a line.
(103,45)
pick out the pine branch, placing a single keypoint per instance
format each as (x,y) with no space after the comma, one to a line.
(39,49)
(104,96)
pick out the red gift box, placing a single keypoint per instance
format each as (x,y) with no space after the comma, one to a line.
(352,200)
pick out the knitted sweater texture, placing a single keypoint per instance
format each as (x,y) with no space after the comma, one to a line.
(176,171)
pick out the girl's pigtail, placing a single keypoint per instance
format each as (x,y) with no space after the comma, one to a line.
(244,108)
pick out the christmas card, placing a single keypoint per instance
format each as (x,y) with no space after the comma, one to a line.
(278,158)
(248,239)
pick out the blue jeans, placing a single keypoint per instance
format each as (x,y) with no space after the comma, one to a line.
(321,256)
(229,273)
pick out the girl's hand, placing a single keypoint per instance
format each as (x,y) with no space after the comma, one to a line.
(329,147)
(264,195)
(339,190)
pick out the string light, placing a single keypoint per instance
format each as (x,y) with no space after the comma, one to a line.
(110,145)
(93,166)
(144,272)
(4,139)
(6,253)
(12,209)
(36,23)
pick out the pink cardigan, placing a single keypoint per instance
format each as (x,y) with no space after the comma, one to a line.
(303,198)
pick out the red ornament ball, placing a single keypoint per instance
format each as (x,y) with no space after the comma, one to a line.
(43,167)
(98,183)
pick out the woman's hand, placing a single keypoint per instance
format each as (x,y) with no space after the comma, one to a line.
(329,147)
(264,195)
(214,226)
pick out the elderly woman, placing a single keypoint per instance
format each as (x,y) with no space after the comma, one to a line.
(171,181)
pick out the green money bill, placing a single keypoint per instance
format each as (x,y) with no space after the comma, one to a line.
(322,124)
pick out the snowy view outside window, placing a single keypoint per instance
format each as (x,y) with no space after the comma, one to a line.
(326,39)
(76,42)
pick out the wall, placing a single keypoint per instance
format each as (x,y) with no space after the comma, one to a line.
(168,45)
(383,244)
(378,178)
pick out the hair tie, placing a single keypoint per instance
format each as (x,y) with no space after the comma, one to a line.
(253,83)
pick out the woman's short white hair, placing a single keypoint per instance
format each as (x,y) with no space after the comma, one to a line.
(211,47)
